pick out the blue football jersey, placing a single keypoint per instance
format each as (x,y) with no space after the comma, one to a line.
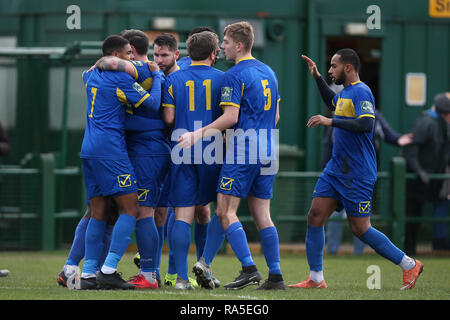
(108,94)
(194,93)
(144,128)
(353,153)
(251,86)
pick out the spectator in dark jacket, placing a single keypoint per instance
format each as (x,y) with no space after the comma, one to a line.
(429,153)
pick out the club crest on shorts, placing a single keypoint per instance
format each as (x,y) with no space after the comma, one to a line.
(142,194)
(226,183)
(364,207)
(124,180)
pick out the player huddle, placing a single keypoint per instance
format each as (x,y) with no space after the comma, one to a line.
(141,113)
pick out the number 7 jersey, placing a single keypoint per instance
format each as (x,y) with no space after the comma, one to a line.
(108,94)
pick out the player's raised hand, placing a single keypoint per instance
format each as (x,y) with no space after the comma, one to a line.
(312,66)
(153,66)
(314,121)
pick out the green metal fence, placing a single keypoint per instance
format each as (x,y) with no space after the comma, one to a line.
(33,205)
(34,201)
(292,199)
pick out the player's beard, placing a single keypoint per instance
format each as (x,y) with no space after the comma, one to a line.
(169,66)
(341,79)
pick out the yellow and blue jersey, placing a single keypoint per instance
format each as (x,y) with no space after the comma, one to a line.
(108,95)
(194,93)
(353,153)
(252,86)
(144,128)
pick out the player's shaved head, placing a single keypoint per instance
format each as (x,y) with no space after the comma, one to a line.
(349,56)
(113,43)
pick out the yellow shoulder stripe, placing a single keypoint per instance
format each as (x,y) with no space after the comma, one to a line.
(142,100)
(121,96)
(367,115)
(147,84)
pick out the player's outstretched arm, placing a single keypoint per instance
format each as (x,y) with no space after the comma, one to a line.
(112,63)
(363,124)
(325,92)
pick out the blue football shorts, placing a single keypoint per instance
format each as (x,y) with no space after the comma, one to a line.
(241,180)
(193,184)
(354,195)
(163,200)
(108,177)
(151,172)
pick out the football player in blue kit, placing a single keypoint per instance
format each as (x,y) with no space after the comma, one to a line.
(106,164)
(249,98)
(349,177)
(149,152)
(191,95)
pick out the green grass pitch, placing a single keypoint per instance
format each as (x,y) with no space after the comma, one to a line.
(33,277)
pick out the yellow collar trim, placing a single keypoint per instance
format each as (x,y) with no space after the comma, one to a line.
(246,58)
(199,64)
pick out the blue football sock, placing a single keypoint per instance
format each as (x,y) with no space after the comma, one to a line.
(214,239)
(382,245)
(315,242)
(238,241)
(121,237)
(200,238)
(77,250)
(271,249)
(106,244)
(159,250)
(170,222)
(94,245)
(181,239)
(147,240)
